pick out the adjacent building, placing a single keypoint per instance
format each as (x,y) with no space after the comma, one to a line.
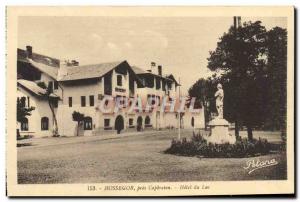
(58,88)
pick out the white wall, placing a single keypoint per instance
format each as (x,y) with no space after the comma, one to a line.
(42,109)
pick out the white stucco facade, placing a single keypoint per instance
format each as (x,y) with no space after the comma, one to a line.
(84,93)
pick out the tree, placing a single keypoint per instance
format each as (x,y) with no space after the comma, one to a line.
(203,91)
(240,57)
(77,116)
(277,72)
(52,101)
(22,113)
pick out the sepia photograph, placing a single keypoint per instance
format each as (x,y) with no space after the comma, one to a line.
(150,101)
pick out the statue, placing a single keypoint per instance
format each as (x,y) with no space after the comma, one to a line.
(219,100)
(219,127)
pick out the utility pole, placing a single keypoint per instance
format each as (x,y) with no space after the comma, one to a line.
(236,24)
(179,114)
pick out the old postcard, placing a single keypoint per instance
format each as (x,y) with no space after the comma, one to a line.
(150,101)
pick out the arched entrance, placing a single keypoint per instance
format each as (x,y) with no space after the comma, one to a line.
(119,124)
(193,122)
(139,123)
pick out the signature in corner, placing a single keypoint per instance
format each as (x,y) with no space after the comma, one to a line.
(255,164)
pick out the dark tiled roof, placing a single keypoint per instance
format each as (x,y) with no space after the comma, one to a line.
(43,63)
(50,61)
(139,70)
(88,71)
(33,87)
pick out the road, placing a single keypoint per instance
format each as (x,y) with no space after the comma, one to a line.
(135,158)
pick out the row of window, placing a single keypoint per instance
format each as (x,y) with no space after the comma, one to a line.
(83,101)
(130,120)
(87,123)
(44,124)
(153,98)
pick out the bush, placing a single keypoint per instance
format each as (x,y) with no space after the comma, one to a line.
(198,146)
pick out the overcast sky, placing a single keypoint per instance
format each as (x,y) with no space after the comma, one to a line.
(180,45)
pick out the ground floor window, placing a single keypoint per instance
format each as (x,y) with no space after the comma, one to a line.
(44,123)
(107,124)
(24,124)
(130,123)
(88,123)
(147,122)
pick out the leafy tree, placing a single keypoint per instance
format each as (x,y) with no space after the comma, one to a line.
(203,91)
(52,101)
(240,56)
(277,77)
(252,63)
(22,113)
(77,116)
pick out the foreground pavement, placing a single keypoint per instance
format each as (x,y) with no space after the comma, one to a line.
(132,158)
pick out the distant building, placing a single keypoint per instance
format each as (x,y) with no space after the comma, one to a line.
(81,88)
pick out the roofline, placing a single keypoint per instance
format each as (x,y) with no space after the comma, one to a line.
(41,70)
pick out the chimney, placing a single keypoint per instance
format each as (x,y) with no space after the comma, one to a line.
(159,70)
(237,21)
(153,66)
(29,51)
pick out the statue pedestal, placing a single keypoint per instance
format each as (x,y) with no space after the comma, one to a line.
(219,132)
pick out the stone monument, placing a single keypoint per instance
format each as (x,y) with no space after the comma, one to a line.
(219,127)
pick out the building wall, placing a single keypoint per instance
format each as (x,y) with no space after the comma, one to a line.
(68,127)
(42,109)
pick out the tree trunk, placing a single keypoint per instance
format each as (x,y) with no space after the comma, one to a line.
(236,129)
(250,133)
(78,123)
(55,128)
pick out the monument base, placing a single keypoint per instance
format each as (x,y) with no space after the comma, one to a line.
(219,132)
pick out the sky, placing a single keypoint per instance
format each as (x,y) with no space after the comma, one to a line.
(180,44)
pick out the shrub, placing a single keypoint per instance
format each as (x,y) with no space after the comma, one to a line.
(198,146)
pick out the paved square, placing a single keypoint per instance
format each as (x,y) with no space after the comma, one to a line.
(132,158)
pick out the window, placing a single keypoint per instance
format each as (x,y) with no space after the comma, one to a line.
(170,86)
(158,100)
(91,100)
(106,102)
(70,101)
(55,85)
(24,124)
(83,101)
(130,122)
(106,122)
(163,85)
(153,100)
(88,123)
(124,102)
(147,121)
(149,98)
(158,84)
(44,123)
(119,80)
